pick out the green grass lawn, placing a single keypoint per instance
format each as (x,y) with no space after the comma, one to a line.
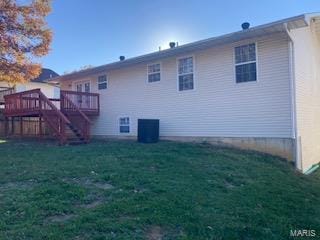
(127,190)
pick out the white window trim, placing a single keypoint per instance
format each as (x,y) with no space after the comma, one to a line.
(236,64)
(156,72)
(107,81)
(124,133)
(194,73)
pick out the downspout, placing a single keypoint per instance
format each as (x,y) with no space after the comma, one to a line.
(296,137)
(312,169)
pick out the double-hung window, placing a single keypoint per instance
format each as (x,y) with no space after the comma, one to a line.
(124,125)
(246,63)
(185,74)
(102,82)
(154,72)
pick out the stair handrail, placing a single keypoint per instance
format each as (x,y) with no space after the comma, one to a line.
(65,99)
(54,108)
(63,120)
(74,106)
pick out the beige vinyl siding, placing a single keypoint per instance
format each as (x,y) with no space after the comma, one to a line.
(217,107)
(307,76)
(49,90)
(46,89)
(4,84)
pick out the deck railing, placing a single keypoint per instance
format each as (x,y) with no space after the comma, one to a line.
(22,102)
(84,101)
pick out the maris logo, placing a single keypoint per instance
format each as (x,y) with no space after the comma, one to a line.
(303,233)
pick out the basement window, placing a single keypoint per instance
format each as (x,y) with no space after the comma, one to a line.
(124,123)
(154,74)
(102,82)
(185,74)
(246,63)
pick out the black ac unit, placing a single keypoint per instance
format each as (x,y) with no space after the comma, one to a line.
(148,130)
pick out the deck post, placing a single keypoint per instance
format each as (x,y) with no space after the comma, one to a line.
(6,125)
(40,127)
(21,127)
(12,125)
(62,132)
(87,131)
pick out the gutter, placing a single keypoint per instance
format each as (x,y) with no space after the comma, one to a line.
(298,153)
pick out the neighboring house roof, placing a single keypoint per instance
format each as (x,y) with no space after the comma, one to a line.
(274,27)
(45,75)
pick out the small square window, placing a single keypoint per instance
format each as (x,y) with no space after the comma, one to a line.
(154,72)
(124,125)
(124,129)
(102,82)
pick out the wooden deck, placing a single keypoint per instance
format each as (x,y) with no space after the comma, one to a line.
(68,116)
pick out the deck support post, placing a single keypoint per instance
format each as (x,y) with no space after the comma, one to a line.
(62,132)
(40,127)
(6,126)
(21,126)
(12,126)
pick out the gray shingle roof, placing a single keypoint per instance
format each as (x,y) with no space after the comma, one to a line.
(45,75)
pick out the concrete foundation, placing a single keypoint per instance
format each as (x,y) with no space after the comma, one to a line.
(282,147)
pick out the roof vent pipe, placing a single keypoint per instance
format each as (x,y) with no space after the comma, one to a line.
(245,25)
(172,44)
(122,58)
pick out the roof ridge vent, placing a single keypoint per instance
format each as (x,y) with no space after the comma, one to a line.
(245,25)
(172,44)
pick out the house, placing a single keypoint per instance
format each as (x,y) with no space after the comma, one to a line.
(257,88)
(40,82)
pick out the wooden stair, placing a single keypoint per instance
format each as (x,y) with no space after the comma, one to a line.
(79,122)
(74,136)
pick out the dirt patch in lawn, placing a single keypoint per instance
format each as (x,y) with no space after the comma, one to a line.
(229,185)
(93,204)
(59,218)
(85,182)
(104,186)
(21,185)
(154,233)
